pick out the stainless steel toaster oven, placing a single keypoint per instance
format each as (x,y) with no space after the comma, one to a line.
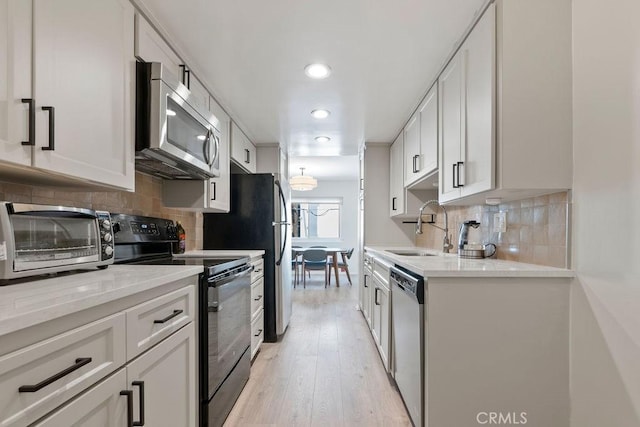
(41,239)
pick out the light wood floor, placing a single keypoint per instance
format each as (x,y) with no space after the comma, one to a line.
(324,372)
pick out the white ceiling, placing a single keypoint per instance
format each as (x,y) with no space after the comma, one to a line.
(326,168)
(251,54)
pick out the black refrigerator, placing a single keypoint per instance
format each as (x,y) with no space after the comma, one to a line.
(259,218)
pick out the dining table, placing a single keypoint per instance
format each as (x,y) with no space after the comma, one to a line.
(330,251)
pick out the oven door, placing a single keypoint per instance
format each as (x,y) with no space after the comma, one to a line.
(178,129)
(52,236)
(228,314)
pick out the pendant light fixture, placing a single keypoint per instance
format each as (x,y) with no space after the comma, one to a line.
(302,182)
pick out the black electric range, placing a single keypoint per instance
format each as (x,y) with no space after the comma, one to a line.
(224,335)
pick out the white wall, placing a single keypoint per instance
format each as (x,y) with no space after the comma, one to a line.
(348,192)
(379,228)
(606,229)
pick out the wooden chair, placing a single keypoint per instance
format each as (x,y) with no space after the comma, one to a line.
(314,259)
(342,265)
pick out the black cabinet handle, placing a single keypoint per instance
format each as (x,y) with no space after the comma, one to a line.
(458,173)
(186,76)
(52,131)
(129,395)
(80,362)
(455,166)
(141,400)
(247,157)
(169,317)
(375,296)
(214,192)
(393,203)
(365,281)
(258,334)
(32,121)
(415,163)
(258,299)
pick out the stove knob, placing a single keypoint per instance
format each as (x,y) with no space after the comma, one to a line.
(108,251)
(116,227)
(107,237)
(106,224)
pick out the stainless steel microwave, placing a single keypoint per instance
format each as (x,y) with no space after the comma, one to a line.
(42,239)
(176,138)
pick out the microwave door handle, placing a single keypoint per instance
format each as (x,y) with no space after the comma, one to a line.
(206,149)
(217,148)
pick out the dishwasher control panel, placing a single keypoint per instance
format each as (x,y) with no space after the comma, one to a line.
(408,281)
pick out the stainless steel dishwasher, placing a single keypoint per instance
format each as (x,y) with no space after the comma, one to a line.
(407,300)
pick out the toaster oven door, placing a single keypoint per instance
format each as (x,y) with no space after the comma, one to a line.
(51,238)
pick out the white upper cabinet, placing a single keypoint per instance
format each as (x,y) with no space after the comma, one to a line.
(421,142)
(243,152)
(77,56)
(467,142)
(151,47)
(15,81)
(84,89)
(396,187)
(505,106)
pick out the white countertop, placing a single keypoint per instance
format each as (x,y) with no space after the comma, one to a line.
(449,265)
(29,303)
(222,253)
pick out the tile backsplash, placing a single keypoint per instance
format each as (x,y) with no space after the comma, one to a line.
(537,229)
(146,200)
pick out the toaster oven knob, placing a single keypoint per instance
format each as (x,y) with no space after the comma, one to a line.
(106,224)
(107,237)
(108,251)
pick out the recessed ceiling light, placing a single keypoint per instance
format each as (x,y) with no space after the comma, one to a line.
(320,114)
(322,139)
(317,71)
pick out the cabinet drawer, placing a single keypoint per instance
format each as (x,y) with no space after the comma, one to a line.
(381,270)
(101,406)
(258,270)
(51,372)
(257,333)
(257,297)
(153,321)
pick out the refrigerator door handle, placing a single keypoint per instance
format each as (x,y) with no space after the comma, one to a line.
(285,222)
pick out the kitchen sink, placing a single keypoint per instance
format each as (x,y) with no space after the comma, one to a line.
(408,252)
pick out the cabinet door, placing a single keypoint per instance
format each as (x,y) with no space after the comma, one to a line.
(243,152)
(84,68)
(150,47)
(366,296)
(220,187)
(451,129)
(376,312)
(15,80)
(412,149)
(396,182)
(384,303)
(199,93)
(168,374)
(428,111)
(478,146)
(102,406)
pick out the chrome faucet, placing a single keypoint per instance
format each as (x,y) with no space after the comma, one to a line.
(446,242)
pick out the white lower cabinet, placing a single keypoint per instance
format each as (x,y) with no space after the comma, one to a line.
(136,363)
(367,285)
(166,376)
(381,314)
(257,305)
(102,406)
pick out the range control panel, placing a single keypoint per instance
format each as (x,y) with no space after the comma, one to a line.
(136,229)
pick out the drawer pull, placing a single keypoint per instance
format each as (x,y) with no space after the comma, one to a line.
(258,299)
(169,317)
(80,362)
(129,395)
(259,333)
(141,385)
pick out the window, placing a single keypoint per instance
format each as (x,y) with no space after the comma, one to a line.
(316,219)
